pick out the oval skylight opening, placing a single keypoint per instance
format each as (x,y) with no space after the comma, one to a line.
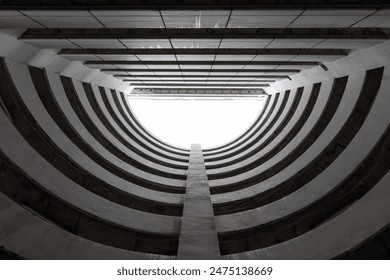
(210,123)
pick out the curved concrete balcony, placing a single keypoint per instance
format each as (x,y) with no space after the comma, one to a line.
(308,179)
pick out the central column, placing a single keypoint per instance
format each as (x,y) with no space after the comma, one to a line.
(198,235)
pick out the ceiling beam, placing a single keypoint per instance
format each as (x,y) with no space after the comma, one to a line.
(195,62)
(204,70)
(203,76)
(199,85)
(206,33)
(203,80)
(207,51)
(189,91)
(192,5)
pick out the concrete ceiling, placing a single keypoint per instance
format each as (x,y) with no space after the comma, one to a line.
(191,47)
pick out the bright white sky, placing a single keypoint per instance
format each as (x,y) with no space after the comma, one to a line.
(207,122)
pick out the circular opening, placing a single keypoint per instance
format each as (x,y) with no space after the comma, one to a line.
(210,123)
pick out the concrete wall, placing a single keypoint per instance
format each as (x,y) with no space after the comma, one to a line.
(308,180)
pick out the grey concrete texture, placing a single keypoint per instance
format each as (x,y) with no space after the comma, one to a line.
(350,159)
(38,140)
(126,137)
(19,152)
(307,180)
(276,139)
(22,233)
(25,87)
(337,236)
(198,236)
(310,125)
(87,106)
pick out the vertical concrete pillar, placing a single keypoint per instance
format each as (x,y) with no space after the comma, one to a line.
(198,235)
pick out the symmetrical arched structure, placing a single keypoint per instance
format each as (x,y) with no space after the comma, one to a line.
(81,178)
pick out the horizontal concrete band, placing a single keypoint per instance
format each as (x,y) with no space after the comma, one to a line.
(373,80)
(314,126)
(286,120)
(38,139)
(372,58)
(140,126)
(121,229)
(367,159)
(283,103)
(122,104)
(26,240)
(364,220)
(85,162)
(247,153)
(259,122)
(243,136)
(77,209)
(330,204)
(68,188)
(55,133)
(31,156)
(306,180)
(278,137)
(57,100)
(97,96)
(94,95)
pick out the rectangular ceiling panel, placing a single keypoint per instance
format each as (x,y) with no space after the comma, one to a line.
(157,57)
(130,19)
(281,57)
(195,43)
(69,22)
(151,73)
(234,57)
(56,13)
(302,67)
(51,44)
(162,66)
(138,66)
(129,57)
(64,18)
(377,20)
(262,18)
(146,44)
(374,22)
(195,57)
(330,18)
(98,43)
(195,66)
(195,19)
(252,73)
(348,44)
(293,43)
(260,66)
(132,22)
(228,66)
(320,58)
(11,19)
(81,57)
(244,43)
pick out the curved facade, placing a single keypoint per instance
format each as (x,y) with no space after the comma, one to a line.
(80,178)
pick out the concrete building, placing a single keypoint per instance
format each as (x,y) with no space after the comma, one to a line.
(81,178)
